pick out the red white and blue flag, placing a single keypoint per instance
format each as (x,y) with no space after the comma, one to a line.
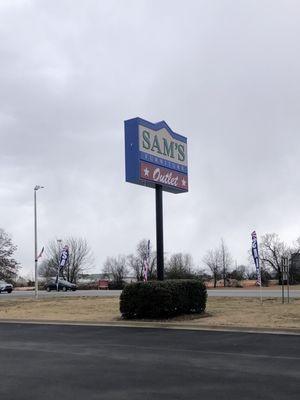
(146,263)
(256,257)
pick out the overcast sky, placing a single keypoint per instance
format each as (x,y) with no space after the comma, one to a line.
(223,73)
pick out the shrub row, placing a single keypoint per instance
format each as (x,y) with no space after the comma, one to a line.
(163,299)
(116,285)
(87,285)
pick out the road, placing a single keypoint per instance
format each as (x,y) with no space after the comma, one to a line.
(250,293)
(80,362)
(112,293)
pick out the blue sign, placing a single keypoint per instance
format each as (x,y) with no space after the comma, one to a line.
(154,154)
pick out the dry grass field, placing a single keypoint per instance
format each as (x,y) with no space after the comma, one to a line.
(220,312)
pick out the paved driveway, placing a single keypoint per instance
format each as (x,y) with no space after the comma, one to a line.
(79,362)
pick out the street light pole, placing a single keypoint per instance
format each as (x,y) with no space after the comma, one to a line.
(37,187)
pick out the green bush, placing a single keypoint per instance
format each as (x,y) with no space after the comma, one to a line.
(87,285)
(116,285)
(163,299)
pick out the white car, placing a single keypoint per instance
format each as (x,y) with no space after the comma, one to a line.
(5,287)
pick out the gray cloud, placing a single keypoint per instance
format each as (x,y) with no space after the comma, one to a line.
(223,73)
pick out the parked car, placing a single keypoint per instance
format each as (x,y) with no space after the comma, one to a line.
(6,287)
(62,285)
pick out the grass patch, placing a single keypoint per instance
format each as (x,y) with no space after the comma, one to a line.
(224,312)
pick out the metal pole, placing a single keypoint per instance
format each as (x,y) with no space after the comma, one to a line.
(57,278)
(159,232)
(35,249)
(59,251)
(260,286)
(288,280)
(282,281)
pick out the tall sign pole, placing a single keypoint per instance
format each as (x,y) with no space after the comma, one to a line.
(159,232)
(156,157)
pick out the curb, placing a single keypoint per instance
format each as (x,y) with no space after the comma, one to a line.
(160,325)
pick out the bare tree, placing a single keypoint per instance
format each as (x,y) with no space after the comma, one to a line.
(180,266)
(135,266)
(212,260)
(8,265)
(226,260)
(238,273)
(296,246)
(295,263)
(49,265)
(116,269)
(136,262)
(271,250)
(80,259)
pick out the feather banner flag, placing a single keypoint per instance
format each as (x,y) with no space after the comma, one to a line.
(64,257)
(256,257)
(146,263)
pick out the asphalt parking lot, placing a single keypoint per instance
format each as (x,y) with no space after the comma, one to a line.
(85,362)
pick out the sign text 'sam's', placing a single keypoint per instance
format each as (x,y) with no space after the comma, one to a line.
(154,154)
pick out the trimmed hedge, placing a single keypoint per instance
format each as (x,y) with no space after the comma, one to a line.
(87,286)
(116,285)
(163,299)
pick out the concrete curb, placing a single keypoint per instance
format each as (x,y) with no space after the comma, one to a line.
(159,325)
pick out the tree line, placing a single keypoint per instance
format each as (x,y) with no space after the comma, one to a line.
(177,266)
(271,251)
(217,263)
